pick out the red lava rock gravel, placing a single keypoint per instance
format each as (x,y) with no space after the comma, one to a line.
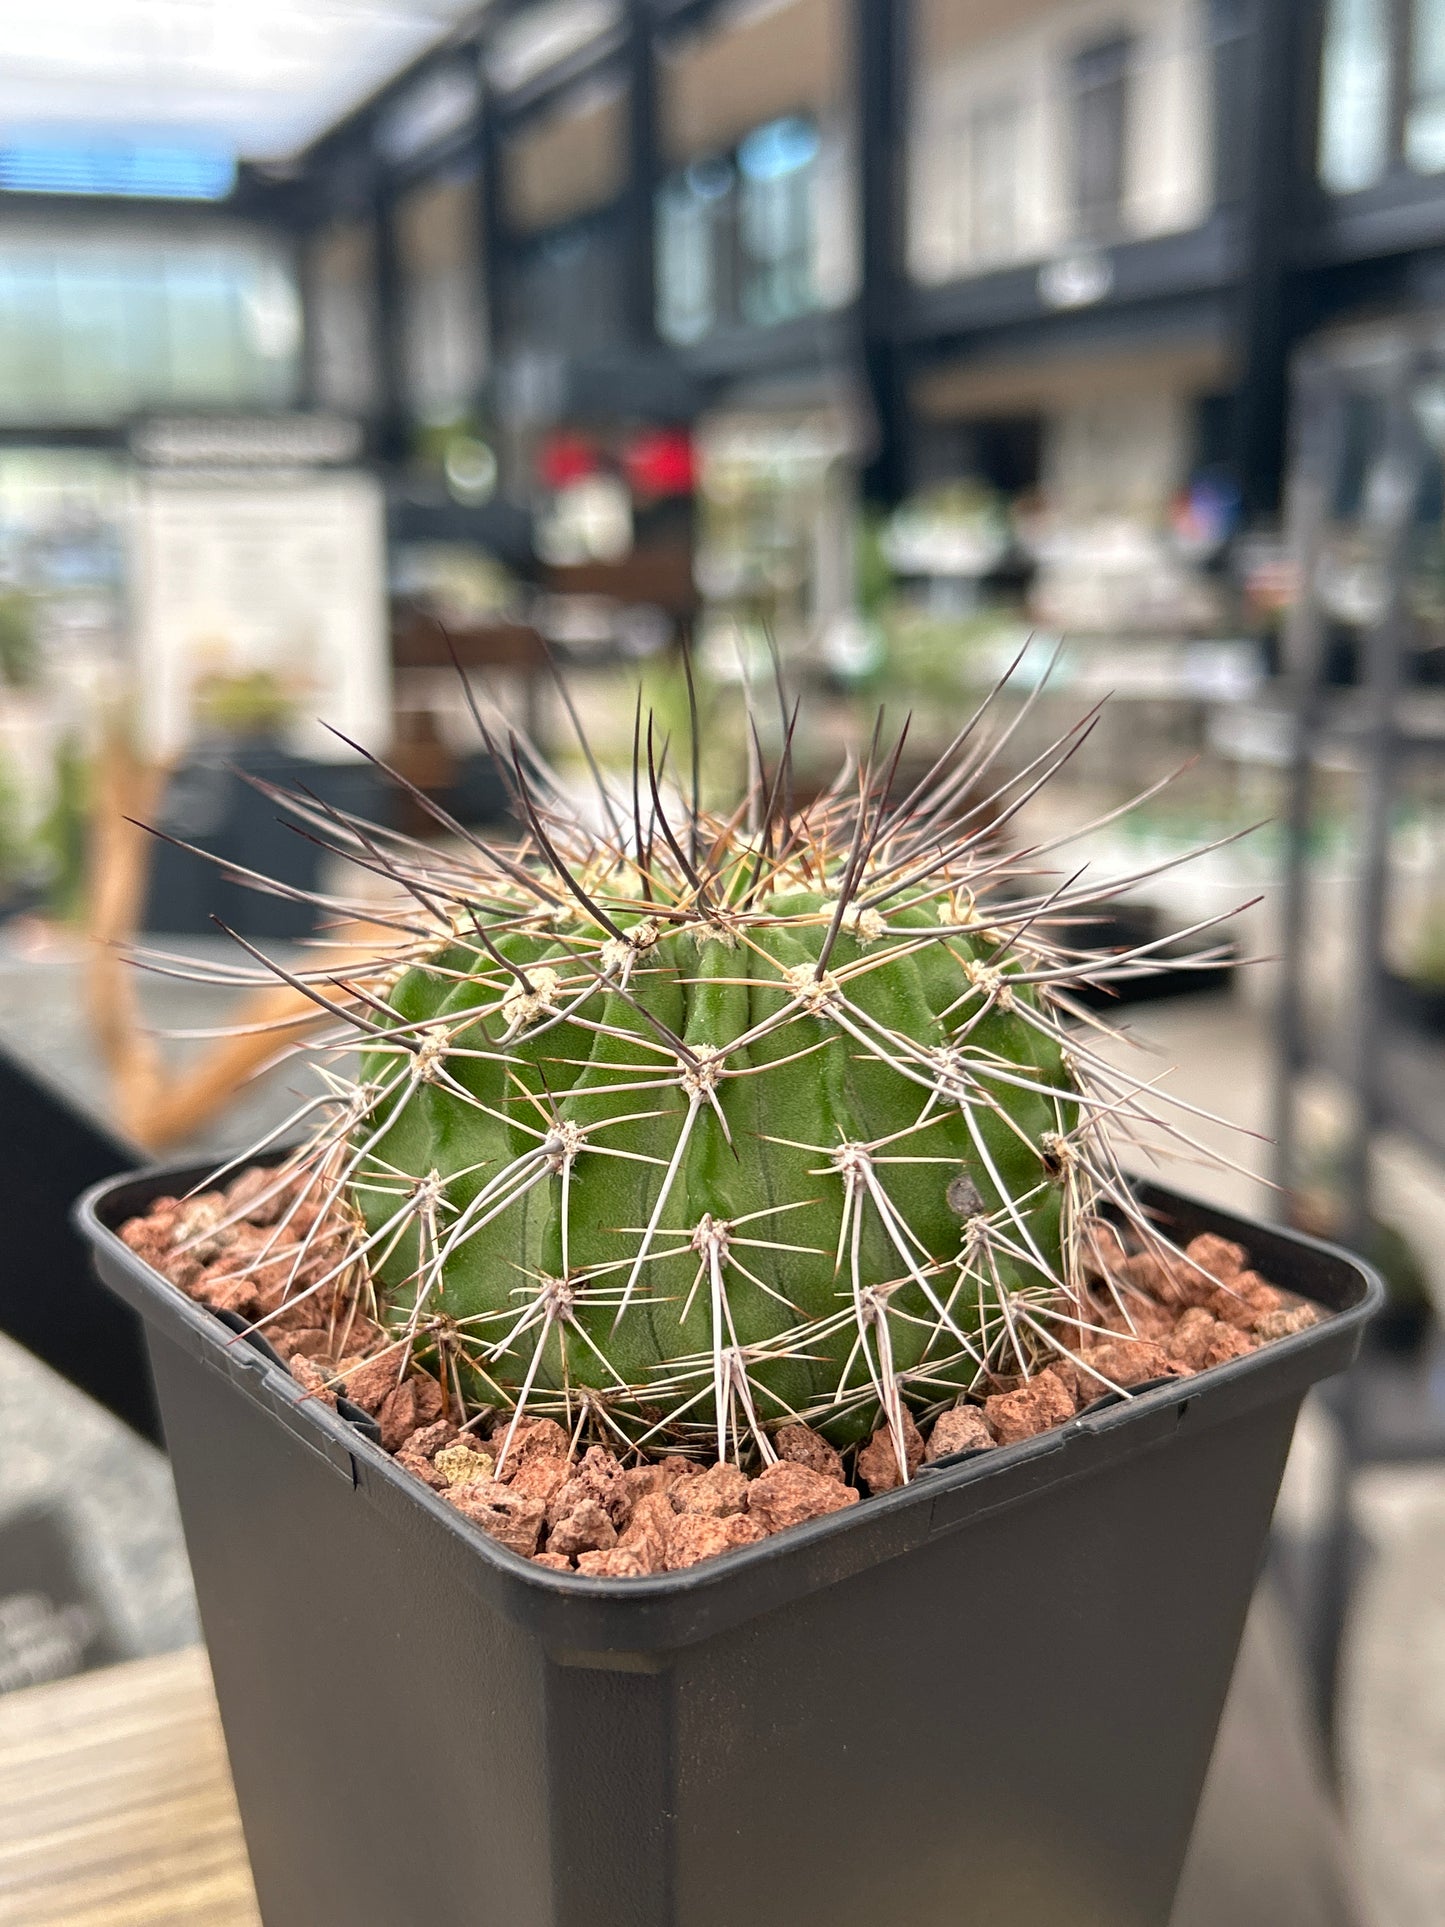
(787,1494)
(878,1465)
(512,1518)
(645,1535)
(801,1446)
(696,1536)
(720,1492)
(1149,1315)
(1037,1405)
(587,1529)
(961,1430)
(619,1563)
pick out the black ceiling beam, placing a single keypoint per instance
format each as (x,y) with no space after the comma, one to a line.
(492,239)
(1282,82)
(102,435)
(1110,329)
(644,172)
(1197,261)
(391,431)
(881,88)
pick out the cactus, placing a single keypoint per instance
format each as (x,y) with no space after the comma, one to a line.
(680,1127)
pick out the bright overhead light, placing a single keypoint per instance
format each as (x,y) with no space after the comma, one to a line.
(259,78)
(153,170)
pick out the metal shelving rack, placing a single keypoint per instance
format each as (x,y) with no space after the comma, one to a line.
(1386,1410)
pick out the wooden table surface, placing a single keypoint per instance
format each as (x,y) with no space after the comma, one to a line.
(116,1807)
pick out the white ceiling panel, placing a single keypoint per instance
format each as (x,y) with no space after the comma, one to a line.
(258,77)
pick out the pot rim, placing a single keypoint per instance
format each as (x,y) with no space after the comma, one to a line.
(660,1610)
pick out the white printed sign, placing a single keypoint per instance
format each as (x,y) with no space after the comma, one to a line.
(279,575)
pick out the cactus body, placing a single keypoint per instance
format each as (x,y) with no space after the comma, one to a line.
(684,1127)
(730,1178)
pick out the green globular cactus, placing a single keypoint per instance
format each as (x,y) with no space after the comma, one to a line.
(679,1128)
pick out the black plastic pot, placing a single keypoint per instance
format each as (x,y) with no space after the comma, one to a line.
(209,803)
(1127,925)
(986,1700)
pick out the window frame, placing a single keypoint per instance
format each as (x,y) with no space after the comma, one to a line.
(1113,58)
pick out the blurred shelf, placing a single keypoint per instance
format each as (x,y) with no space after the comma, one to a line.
(1169,976)
(1399,1406)
(659,574)
(1412,1086)
(1263,732)
(417,512)
(423,641)
(1419,724)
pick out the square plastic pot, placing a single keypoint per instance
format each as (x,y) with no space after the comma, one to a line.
(985,1700)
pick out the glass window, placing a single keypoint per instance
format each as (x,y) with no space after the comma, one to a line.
(443,325)
(93,304)
(341,318)
(1425,119)
(776,165)
(566,291)
(756,236)
(30,345)
(836,219)
(202,329)
(750,63)
(993,176)
(1355,95)
(696,234)
(1100,87)
(567,160)
(97,327)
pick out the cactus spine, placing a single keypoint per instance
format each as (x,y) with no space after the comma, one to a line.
(689,1126)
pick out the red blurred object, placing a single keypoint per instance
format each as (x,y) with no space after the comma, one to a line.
(660,462)
(566,457)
